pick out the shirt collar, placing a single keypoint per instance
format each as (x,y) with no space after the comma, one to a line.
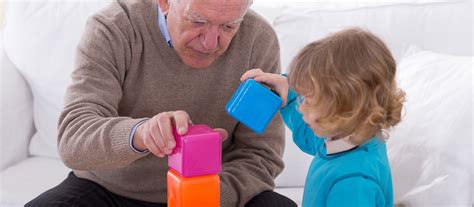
(338,145)
(163,27)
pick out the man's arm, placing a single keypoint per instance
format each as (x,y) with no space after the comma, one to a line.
(253,162)
(91,134)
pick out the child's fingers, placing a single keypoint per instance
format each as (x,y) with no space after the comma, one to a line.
(265,79)
(247,75)
(270,81)
(251,74)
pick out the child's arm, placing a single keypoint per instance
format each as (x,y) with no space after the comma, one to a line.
(303,136)
(356,191)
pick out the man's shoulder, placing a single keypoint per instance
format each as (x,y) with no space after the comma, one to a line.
(253,17)
(124,12)
(255,24)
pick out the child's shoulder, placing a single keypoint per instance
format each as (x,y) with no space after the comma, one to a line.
(369,160)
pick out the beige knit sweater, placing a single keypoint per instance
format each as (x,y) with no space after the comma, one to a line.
(125,72)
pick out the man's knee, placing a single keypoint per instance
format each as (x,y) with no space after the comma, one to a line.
(270,198)
(46,200)
(71,192)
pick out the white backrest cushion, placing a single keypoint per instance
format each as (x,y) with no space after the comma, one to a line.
(338,5)
(430,150)
(16,109)
(472,140)
(40,38)
(441,27)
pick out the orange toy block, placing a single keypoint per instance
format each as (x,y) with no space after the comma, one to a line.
(196,191)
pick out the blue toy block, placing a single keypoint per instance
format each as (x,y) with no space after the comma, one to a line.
(253,105)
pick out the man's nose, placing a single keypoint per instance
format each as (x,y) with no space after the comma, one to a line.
(210,38)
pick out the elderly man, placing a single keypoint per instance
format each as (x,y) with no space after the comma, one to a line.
(144,67)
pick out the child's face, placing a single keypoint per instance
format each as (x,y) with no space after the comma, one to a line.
(310,117)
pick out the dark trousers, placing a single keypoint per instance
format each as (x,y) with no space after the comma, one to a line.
(79,192)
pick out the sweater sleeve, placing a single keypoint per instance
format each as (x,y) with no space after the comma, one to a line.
(253,162)
(355,191)
(302,135)
(92,135)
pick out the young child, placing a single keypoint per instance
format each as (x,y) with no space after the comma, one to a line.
(343,97)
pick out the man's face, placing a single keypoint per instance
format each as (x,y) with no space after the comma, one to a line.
(201,30)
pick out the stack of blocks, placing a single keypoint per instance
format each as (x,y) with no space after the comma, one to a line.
(194,167)
(196,160)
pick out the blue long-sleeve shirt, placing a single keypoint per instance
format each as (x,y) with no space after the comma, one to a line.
(357,177)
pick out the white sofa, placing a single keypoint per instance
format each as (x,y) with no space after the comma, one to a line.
(430,151)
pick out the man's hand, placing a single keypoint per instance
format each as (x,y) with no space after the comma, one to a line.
(156,134)
(277,82)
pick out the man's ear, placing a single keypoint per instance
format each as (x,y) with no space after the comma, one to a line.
(164,6)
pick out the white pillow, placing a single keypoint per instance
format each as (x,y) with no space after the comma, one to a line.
(430,150)
(40,38)
(472,141)
(16,109)
(337,5)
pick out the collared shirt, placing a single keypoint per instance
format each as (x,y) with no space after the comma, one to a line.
(163,27)
(338,145)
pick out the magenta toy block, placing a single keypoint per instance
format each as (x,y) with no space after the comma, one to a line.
(197,153)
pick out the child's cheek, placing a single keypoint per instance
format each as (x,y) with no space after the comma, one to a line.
(306,117)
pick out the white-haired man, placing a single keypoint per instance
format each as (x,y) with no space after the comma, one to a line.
(144,67)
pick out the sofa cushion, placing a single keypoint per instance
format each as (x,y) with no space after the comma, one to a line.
(434,26)
(16,108)
(29,178)
(430,150)
(40,39)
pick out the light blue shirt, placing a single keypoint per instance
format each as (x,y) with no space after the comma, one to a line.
(358,177)
(163,27)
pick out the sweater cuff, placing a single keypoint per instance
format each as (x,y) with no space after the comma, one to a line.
(132,135)
(120,143)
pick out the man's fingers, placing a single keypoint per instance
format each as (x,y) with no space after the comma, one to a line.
(155,134)
(182,121)
(165,126)
(223,132)
(152,146)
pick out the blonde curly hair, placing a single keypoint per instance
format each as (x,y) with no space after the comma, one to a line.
(352,74)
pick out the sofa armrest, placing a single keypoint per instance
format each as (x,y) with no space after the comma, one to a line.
(16,109)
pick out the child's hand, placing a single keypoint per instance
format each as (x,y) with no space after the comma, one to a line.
(277,82)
